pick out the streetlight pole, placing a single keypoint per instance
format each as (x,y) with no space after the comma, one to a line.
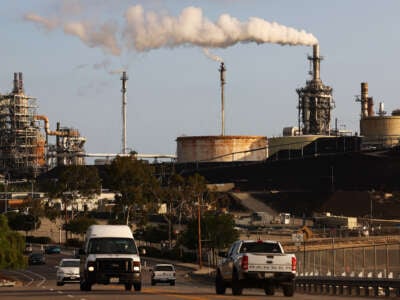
(199,233)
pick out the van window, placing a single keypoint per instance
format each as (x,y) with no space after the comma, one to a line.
(112,245)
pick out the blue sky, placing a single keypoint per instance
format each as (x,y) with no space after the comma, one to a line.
(174,91)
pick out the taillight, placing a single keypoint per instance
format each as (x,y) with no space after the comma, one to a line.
(294,262)
(245,263)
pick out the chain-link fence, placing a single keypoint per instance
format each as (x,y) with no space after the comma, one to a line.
(367,261)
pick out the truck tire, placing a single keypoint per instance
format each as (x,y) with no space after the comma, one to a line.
(220,287)
(85,286)
(128,286)
(137,286)
(288,289)
(236,288)
(269,290)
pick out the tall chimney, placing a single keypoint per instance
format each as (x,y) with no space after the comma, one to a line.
(20,83)
(15,83)
(316,62)
(124,78)
(222,70)
(364,99)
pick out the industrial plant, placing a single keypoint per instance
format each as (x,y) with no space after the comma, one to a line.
(249,161)
(25,150)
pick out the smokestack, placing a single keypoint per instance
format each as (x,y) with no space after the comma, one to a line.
(222,70)
(364,99)
(371,112)
(20,83)
(124,78)
(15,83)
(316,62)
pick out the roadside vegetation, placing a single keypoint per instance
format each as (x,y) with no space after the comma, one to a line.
(139,195)
(12,245)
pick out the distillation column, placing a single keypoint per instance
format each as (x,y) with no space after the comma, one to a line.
(315,101)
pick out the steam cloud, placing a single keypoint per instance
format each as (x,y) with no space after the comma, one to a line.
(207,52)
(151,30)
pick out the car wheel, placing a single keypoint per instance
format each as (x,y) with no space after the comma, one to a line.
(172,282)
(153,282)
(59,283)
(236,288)
(220,287)
(137,286)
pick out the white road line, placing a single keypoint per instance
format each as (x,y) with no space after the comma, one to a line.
(24,275)
(43,279)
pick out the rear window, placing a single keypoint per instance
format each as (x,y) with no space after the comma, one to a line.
(260,247)
(164,268)
(70,263)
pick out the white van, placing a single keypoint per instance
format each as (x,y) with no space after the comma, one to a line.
(110,256)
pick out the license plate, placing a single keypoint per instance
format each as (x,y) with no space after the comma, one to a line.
(268,275)
(114,280)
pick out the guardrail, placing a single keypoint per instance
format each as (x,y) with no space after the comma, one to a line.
(349,286)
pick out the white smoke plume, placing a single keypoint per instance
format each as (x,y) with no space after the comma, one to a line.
(48,24)
(103,36)
(207,52)
(146,31)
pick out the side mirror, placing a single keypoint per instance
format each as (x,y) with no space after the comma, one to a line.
(81,252)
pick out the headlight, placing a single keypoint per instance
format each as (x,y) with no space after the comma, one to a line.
(136,266)
(90,268)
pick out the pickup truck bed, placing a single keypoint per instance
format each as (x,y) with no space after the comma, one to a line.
(256,264)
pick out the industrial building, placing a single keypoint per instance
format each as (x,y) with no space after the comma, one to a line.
(25,150)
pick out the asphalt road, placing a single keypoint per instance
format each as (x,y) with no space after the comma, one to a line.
(39,282)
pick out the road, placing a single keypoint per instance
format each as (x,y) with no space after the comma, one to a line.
(39,283)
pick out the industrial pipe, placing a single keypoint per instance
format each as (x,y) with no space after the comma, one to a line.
(47,129)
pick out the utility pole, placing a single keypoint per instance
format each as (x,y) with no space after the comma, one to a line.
(199,232)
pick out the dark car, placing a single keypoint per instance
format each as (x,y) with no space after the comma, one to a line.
(36,259)
(52,249)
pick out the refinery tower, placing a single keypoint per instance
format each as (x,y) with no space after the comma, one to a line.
(24,147)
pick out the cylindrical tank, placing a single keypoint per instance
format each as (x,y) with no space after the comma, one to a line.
(381,129)
(221,148)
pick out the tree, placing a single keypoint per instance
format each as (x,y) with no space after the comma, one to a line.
(135,185)
(74,181)
(12,246)
(79,225)
(23,222)
(217,231)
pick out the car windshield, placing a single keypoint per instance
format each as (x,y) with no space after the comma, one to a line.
(35,255)
(70,263)
(260,247)
(163,268)
(112,245)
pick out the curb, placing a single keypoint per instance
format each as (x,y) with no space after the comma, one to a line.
(7,283)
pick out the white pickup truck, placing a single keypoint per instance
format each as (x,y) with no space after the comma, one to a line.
(256,264)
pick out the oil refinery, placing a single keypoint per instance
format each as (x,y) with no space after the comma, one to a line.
(312,154)
(25,150)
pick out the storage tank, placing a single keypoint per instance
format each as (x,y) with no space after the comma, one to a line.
(221,148)
(381,130)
